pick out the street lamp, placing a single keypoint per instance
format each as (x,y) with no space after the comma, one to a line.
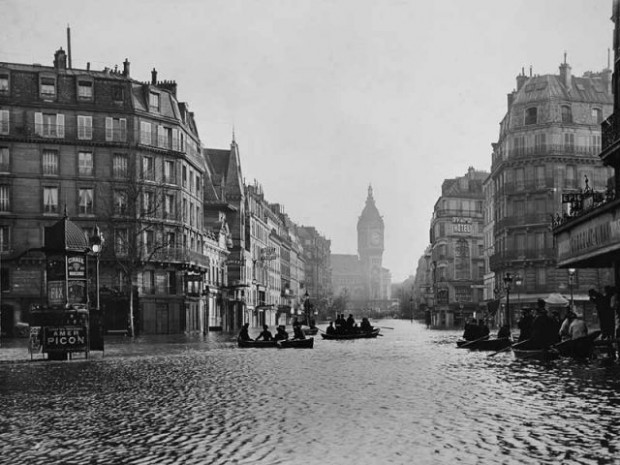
(96,246)
(307,307)
(571,282)
(507,283)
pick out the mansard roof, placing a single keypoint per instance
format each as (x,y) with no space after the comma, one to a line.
(589,88)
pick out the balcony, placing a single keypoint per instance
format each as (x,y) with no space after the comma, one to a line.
(181,256)
(504,259)
(531,219)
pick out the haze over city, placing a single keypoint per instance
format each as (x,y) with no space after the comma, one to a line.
(326,98)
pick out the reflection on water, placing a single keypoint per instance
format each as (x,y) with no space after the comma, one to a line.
(407,397)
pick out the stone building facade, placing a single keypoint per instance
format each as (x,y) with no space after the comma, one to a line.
(119,154)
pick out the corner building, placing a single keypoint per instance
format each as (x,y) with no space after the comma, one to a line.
(115,153)
(548,148)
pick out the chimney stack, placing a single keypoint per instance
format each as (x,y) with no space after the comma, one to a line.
(565,73)
(126,68)
(521,78)
(60,59)
(154,77)
(69,44)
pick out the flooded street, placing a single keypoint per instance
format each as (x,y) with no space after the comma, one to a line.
(407,397)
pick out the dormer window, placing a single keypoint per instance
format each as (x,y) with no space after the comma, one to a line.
(85,89)
(4,83)
(531,115)
(47,87)
(567,114)
(154,101)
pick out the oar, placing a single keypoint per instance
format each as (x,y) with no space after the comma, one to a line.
(507,348)
(385,327)
(476,340)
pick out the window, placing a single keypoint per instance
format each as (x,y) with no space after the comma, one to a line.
(569,142)
(49,125)
(184,176)
(50,162)
(567,114)
(169,171)
(4,242)
(198,180)
(164,136)
(531,115)
(148,282)
(154,101)
(86,201)
(540,176)
(85,90)
(597,116)
(116,130)
(85,127)
(120,202)
(540,141)
(145,133)
(185,213)
(148,203)
(4,121)
(50,199)
(148,169)
(191,213)
(48,87)
(119,166)
(149,241)
(170,239)
(4,83)
(168,206)
(5,204)
(121,242)
(5,160)
(571,174)
(541,276)
(85,161)
(118,94)
(520,178)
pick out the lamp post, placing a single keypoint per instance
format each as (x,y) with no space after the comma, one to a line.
(307,307)
(518,283)
(571,282)
(507,283)
(96,245)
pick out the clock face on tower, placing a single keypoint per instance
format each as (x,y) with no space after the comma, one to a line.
(375,238)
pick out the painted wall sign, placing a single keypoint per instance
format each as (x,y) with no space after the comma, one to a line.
(585,238)
(76,267)
(56,292)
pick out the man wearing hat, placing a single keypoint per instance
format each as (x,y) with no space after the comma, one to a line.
(525,324)
(544,333)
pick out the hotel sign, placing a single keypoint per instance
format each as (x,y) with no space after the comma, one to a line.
(461,225)
(584,239)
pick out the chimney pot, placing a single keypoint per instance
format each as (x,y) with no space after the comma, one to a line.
(60,59)
(154,77)
(126,68)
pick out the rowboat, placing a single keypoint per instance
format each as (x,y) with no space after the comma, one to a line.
(468,344)
(308,331)
(581,347)
(536,354)
(486,344)
(357,335)
(307,343)
(257,344)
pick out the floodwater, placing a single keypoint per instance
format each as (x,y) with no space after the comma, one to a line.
(408,397)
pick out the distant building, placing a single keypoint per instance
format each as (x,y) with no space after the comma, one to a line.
(457,256)
(318,270)
(361,278)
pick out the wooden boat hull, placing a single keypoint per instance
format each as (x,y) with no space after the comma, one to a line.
(310,331)
(582,347)
(307,343)
(535,354)
(492,345)
(257,344)
(465,344)
(346,336)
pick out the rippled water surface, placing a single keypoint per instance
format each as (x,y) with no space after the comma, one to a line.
(408,397)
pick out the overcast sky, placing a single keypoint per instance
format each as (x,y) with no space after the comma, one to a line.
(327,97)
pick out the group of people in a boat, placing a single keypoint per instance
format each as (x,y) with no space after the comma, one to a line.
(348,325)
(266,335)
(475,329)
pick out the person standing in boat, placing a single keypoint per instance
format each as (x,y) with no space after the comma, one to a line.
(544,332)
(350,323)
(243,334)
(330,328)
(265,334)
(525,324)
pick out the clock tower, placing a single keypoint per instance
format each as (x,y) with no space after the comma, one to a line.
(370,248)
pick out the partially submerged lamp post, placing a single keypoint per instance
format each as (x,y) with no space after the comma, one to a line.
(307,307)
(571,282)
(96,246)
(507,283)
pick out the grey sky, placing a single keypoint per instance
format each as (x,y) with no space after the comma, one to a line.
(329,96)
